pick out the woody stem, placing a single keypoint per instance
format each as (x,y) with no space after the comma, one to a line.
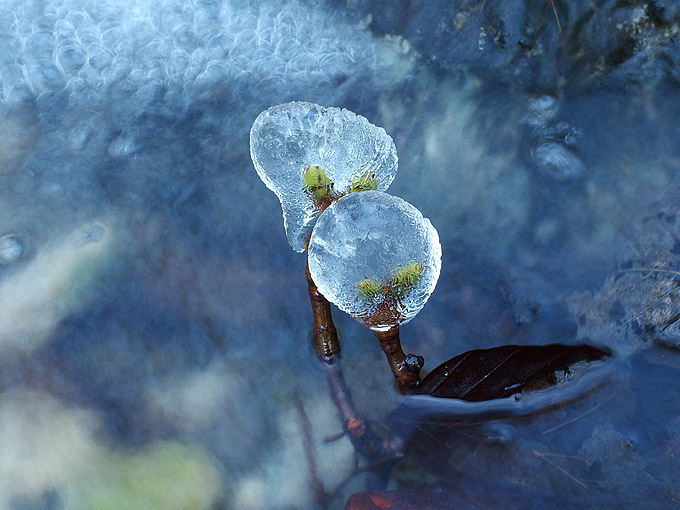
(406,369)
(327,349)
(326,342)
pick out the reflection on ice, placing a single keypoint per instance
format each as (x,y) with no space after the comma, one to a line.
(194,400)
(165,475)
(47,446)
(283,480)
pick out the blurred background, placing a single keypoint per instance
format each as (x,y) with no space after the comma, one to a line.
(154,322)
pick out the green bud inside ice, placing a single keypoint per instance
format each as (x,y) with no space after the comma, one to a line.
(317,184)
(368,181)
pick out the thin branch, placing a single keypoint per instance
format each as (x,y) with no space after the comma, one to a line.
(648,270)
(406,369)
(557,18)
(359,432)
(572,420)
(326,341)
(320,494)
(327,348)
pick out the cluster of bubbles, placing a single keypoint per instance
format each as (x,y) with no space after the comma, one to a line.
(374,255)
(110,70)
(308,155)
(49,45)
(556,142)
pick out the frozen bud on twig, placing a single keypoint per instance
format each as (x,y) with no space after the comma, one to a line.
(310,156)
(375,257)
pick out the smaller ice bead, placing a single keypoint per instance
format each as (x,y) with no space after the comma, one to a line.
(376,257)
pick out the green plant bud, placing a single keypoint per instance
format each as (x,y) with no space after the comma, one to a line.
(405,277)
(368,181)
(317,184)
(369,288)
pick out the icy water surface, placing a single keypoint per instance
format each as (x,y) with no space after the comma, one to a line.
(154,322)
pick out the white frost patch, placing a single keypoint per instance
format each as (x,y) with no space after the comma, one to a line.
(41,442)
(56,283)
(194,400)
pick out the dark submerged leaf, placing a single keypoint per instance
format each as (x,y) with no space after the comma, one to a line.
(460,441)
(487,374)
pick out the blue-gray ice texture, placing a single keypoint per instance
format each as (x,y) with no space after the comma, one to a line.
(145,102)
(168,52)
(287,138)
(368,235)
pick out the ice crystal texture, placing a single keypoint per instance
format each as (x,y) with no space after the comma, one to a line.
(287,139)
(375,257)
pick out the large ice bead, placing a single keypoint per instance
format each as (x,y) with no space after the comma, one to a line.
(350,153)
(376,257)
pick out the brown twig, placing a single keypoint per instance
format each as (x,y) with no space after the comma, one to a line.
(328,352)
(406,369)
(320,495)
(326,341)
(359,432)
(557,18)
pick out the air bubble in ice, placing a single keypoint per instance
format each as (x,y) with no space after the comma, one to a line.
(540,111)
(6,57)
(11,249)
(123,146)
(558,161)
(79,137)
(375,257)
(310,155)
(92,233)
(38,47)
(45,77)
(71,58)
(499,433)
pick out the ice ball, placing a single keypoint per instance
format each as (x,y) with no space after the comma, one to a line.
(376,257)
(310,155)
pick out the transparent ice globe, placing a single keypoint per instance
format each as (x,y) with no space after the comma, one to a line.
(376,258)
(310,155)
